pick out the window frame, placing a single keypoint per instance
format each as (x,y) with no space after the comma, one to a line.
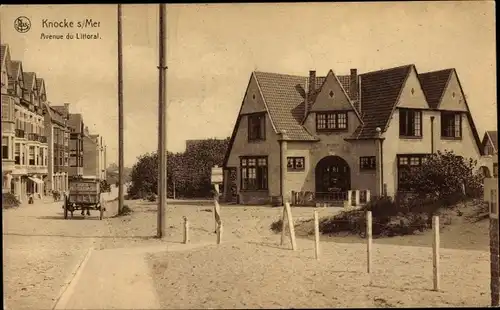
(5,148)
(331,121)
(252,119)
(294,160)
(367,163)
(261,182)
(446,124)
(401,168)
(408,128)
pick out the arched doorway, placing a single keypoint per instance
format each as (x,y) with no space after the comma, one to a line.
(333,175)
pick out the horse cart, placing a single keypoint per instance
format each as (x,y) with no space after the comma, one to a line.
(85,195)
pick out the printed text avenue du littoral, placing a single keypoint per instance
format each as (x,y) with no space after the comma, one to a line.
(64,23)
(71,36)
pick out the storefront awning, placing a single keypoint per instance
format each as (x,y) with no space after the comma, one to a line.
(37,181)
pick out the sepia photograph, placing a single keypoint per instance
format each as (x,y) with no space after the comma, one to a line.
(250,155)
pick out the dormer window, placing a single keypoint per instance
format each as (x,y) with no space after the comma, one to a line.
(331,121)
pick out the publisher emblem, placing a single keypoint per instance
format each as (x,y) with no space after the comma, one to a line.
(22,24)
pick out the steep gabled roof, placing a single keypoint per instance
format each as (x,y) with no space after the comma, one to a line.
(380,91)
(39,83)
(283,99)
(16,67)
(4,48)
(434,84)
(29,80)
(491,136)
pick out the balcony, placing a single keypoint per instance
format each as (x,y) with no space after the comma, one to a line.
(42,139)
(33,136)
(20,133)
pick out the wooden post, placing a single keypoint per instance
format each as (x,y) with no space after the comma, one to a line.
(283,226)
(218,221)
(435,251)
(290,225)
(186,231)
(357,194)
(349,198)
(368,241)
(368,196)
(316,233)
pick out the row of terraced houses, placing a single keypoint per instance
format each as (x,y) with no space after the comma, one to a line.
(326,135)
(43,144)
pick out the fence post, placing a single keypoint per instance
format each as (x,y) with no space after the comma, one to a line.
(316,233)
(186,230)
(368,196)
(357,197)
(283,226)
(219,233)
(435,251)
(349,197)
(368,241)
(290,225)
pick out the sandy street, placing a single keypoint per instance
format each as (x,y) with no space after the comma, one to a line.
(42,249)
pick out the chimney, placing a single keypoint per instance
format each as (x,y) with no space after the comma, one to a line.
(353,89)
(306,99)
(311,88)
(66,109)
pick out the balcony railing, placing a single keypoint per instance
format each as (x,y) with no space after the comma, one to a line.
(42,139)
(33,136)
(20,133)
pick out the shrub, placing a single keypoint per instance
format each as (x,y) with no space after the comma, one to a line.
(9,200)
(276,226)
(446,177)
(124,211)
(151,197)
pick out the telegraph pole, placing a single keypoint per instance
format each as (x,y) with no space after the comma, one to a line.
(162,122)
(120,113)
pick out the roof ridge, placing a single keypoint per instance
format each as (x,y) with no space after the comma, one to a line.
(436,71)
(384,70)
(282,74)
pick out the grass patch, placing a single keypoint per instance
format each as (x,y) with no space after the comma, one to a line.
(126,210)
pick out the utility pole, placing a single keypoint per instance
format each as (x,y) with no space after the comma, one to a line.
(162,122)
(120,113)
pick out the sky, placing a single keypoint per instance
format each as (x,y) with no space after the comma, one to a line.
(213,49)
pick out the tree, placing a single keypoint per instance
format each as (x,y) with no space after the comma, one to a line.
(444,176)
(144,177)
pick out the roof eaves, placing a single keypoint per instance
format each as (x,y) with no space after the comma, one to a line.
(348,97)
(265,103)
(491,141)
(399,95)
(469,116)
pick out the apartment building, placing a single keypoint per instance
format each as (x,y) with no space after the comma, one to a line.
(77,132)
(24,144)
(57,132)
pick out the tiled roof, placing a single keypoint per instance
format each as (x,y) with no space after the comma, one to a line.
(379,94)
(15,66)
(345,80)
(434,84)
(283,95)
(3,51)
(493,138)
(29,80)
(39,82)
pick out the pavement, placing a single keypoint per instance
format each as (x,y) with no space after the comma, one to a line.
(116,279)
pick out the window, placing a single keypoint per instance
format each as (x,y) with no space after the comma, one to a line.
(495,170)
(31,156)
(5,147)
(451,125)
(331,121)
(17,154)
(295,163)
(256,127)
(253,173)
(367,163)
(41,160)
(410,123)
(72,162)
(405,163)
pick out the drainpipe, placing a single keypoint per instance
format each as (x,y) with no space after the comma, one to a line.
(283,162)
(380,161)
(432,134)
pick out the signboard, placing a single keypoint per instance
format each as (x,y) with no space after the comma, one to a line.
(217,175)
